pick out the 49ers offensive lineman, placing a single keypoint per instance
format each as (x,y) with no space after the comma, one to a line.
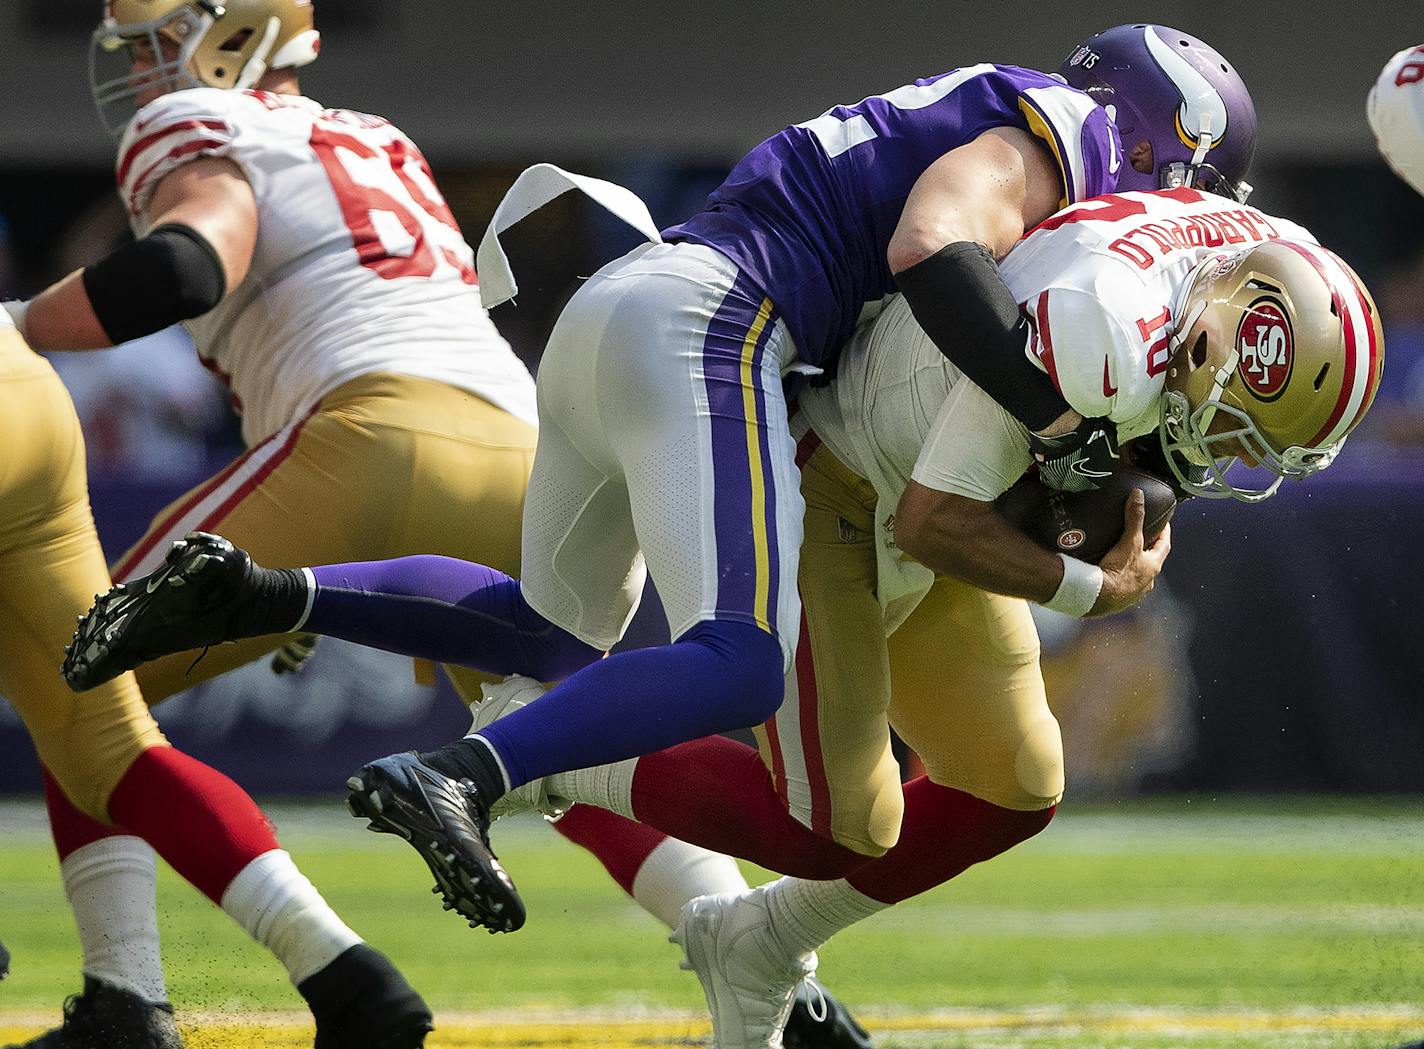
(324,279)
(109,756)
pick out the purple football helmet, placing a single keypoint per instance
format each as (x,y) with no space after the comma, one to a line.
(1177,93)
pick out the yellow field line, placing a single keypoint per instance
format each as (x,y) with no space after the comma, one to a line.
(595,1029)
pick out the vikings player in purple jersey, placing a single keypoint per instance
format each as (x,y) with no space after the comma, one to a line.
(664,439)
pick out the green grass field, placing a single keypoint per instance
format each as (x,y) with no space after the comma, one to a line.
(1203,924)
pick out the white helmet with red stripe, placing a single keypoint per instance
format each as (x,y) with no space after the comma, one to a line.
(1277,358)
(1396,113)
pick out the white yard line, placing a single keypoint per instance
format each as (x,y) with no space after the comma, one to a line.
(1104,1019)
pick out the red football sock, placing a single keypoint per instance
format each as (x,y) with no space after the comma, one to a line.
(715,792)
(203,824)
(617,842)
(71,829)
(944,832)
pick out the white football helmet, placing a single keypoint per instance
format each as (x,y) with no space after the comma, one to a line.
(1396,113)
(219,43)
(1276,359)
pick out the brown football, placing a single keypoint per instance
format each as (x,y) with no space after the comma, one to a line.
(1086,525)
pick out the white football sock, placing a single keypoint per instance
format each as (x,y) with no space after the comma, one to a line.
(805,914)
(110,884)
(676,872)
(282,910)
(605,786)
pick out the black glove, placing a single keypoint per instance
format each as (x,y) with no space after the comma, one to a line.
(1077,460)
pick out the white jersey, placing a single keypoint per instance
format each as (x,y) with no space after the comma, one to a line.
(359,266)
(1099,283)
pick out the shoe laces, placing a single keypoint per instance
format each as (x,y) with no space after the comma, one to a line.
(201,656)
(816,1005)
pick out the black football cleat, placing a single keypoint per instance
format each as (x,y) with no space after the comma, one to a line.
(447,822)
(819,1021)
(361,1001)
(108,1017)
(4,962)
(184,605)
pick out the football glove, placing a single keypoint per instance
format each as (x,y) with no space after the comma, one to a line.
(1077,460)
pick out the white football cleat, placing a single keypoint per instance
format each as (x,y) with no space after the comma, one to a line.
(749,978)
(499,699)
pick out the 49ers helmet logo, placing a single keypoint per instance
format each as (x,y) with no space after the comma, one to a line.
(1266,346)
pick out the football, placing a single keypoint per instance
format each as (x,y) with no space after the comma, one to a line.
(1086,525)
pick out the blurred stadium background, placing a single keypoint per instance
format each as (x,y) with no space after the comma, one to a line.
(1237,860)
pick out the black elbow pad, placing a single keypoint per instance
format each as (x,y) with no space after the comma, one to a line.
(171,275)
(962,302)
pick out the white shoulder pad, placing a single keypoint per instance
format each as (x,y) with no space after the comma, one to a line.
(1089,340)
(168,132)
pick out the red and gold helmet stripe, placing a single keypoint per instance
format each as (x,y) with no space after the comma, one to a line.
(1362,343)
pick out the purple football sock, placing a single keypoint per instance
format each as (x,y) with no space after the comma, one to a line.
(717,677)
(444,610)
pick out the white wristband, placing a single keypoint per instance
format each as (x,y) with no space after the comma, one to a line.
(1079,590)
(17,308)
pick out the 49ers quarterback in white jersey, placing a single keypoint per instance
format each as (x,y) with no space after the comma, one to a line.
(1101,283)
(359,266)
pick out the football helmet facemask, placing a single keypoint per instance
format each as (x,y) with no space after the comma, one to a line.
(1276,359)
(220,43)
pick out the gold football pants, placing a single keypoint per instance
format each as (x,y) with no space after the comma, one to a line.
(51,567)
(959,681)
(386,466)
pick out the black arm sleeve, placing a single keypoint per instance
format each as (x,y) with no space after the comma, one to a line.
(171,275)
(968,311)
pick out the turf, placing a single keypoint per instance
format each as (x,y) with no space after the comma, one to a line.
(1198,923)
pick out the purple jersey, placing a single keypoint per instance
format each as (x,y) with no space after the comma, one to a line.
(809,213)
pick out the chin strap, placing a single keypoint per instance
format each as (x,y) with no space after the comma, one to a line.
(257,64)
(1238,190)
(1203,416)
(1204,142)
(1182,326)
